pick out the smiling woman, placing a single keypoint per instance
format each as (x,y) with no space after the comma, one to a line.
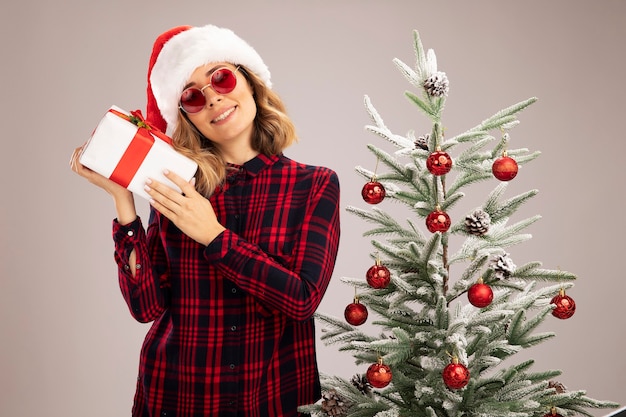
(230,271)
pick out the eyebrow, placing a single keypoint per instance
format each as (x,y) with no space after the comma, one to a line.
(208,74)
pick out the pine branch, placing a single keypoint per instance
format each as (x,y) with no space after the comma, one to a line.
(503,117)
(424,106)
(499,211)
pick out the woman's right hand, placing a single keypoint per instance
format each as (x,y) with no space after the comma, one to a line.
(93,177)
(124,201)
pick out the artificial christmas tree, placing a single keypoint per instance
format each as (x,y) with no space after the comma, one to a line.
(441,354)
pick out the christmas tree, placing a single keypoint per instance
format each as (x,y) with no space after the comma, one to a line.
(451,319)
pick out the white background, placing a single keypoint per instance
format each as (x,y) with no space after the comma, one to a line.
(68,346)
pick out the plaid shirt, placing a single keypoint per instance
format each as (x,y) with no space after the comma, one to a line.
(233,333)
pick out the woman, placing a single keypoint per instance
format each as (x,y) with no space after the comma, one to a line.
(231,270)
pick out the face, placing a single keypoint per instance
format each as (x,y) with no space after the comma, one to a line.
(226,119)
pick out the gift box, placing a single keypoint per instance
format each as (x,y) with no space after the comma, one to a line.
(126,149)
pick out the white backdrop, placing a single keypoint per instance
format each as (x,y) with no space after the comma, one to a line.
(68,345)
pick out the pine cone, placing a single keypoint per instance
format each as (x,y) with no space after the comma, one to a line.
(362,384)
(437,85)
(478,223)
(560,388)
(502,266)
(333,405)
(422,142)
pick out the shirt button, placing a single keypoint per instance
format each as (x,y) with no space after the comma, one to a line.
(234,290)
(138,266)
(233,328)
(130,233)
(127,267)
(232,366)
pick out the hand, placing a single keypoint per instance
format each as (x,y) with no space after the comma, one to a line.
(191,212)
(124,201)
(93,177)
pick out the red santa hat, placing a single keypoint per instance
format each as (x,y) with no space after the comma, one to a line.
(176,55)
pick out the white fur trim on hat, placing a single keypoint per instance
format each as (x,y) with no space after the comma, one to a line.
(190,49)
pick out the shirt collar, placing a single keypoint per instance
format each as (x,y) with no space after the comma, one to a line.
(254,166)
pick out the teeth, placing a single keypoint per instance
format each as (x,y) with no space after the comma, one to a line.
(224,115)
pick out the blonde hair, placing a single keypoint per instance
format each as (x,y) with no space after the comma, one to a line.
(273,132)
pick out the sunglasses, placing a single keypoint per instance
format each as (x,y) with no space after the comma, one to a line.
(223,81)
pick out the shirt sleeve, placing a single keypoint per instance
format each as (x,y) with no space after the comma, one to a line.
(298,291)
(145,293)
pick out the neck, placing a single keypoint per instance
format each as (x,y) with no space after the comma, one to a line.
(237,155)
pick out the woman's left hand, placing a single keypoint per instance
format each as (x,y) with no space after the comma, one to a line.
(191,212)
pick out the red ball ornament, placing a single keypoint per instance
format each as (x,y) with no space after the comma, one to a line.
(439,163)
(552,413)
(373,192)
(355,313)
(378,276)
(455,375)
(565,306)
(504,168)
(438,221)
(480,294)
(379,375)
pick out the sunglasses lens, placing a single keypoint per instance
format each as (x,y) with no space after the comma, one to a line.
(192,100)
(223,81)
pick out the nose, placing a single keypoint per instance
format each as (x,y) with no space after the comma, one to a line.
(215,98)
(211,96)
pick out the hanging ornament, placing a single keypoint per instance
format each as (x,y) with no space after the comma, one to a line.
(355,313)
(565,305)
(455,375)
(439,163)
(438,221)
(552,413)
(480,294)
(373,192)
(378,374)
(378,276)
(504,168)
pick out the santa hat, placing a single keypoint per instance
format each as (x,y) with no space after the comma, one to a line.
(176,55)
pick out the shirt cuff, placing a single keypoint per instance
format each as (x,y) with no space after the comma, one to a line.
(130,230)
(219,247)
(126,238)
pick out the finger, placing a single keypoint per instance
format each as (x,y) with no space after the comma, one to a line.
(161,208)
(163,194)
(76,154)
(74,157)
(186,187)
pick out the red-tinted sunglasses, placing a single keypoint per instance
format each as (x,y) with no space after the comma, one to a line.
(223,81)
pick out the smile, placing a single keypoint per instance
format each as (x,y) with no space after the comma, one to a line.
(224,115)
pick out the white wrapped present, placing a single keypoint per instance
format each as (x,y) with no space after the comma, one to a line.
(124,148)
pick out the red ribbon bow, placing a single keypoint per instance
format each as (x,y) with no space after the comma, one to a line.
(138,148)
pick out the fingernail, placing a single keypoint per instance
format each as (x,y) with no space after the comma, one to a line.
(193,181)
(145,187)
(148,181)
(166,171)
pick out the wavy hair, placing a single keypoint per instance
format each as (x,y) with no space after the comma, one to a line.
(273,132)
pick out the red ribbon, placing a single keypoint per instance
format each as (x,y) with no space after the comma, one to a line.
(138,148)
